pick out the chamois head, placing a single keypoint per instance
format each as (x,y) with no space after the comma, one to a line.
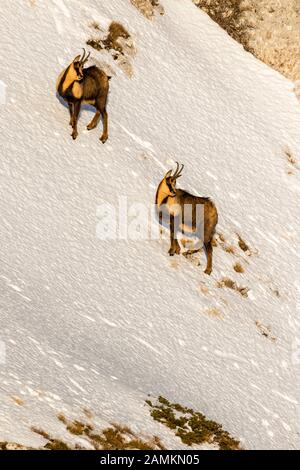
(78,64)
(169,181)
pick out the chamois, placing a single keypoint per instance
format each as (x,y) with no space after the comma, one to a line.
(77,86)
(186,213)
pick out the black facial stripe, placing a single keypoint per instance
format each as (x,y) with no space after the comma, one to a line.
(170,186)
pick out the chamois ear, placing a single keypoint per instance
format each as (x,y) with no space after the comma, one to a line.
(168,174)
(77,58)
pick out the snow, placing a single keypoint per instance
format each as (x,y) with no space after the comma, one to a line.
(102,324)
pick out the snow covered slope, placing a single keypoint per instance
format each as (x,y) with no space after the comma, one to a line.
(101,324)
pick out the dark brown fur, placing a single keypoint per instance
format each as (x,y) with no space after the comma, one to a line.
(78,86)
(172,201)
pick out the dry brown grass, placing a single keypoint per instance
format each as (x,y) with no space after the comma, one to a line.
(190,426)
(269,29)
(114,437)
(53,443)
(119,437)
(5,445)
(229,15)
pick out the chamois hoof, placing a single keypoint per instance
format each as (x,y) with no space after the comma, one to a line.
(103,139)
(208,271)
(74,135)
(90,127)
(174,251)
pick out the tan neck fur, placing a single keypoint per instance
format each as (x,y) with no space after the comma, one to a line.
(162,192)
(70,78)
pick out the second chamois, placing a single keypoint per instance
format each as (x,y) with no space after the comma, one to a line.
(77,86)
(185,213)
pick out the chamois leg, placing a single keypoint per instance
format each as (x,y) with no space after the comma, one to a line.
(94,121)
(101,106)
(104,136)
(175,247)
(71,109)
(76,111)
(209,250)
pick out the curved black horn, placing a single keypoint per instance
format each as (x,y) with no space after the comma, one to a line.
(86,58)
(176,171)
(180,171)
(83,55)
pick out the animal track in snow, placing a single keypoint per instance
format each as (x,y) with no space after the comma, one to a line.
(265,331)
(230,284)
(148,7)
(17,400)
(292,163)
(214,312)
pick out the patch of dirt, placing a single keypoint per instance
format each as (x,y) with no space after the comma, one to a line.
(117,41)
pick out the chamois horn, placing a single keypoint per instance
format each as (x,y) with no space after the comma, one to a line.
(84,57)
(178,171)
